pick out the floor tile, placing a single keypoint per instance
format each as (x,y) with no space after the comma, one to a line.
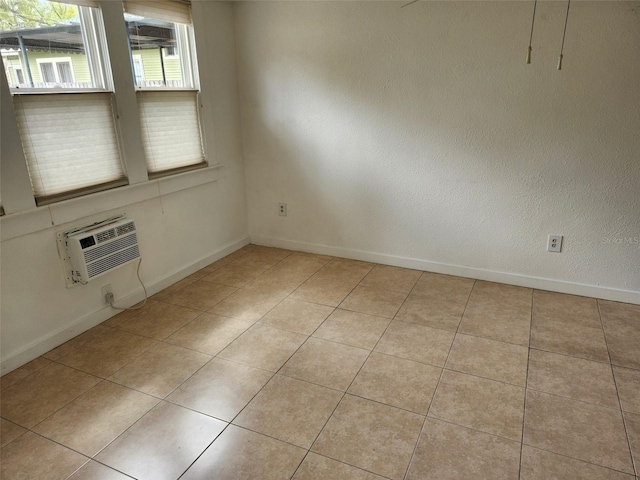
(538,464)
(572,377)
(180,285)
(393,279)
(93,420)
(23,372)
(247,305)
(622,327)
(237,274)
(240,454)
(500,361)
(431,312)
(322,290)
(451,452)
(352,328)
(264,347)
(221,388)
(342,270)
(325,363)
(96,471)
(478,403)
(628,382)
(580,430)
(200,295)
(160,370)
(107,353)
(560,307)
(159,321)
(266,254)
(446,288)
(568,339)
(277,282)
(374,301)
(299,263)
(491,293)
(289,410)
(397,382)
(34,457)
(297,316)
(348,436)
(317,467)
(498,322)
(209,333)
(162,444)
(83,338)
(136,309)
(632,422)
(416,342)
(9,431)
(33,399)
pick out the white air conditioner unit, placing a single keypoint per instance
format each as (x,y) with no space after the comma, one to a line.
(99,248)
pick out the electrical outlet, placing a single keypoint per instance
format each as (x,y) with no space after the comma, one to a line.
(282,209)
(106,290)
(554,243)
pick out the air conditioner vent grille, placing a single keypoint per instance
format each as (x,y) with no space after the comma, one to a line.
(126,228)
(114,260)
(106,235)
(109,248)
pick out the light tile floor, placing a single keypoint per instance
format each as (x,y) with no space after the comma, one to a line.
(278,364)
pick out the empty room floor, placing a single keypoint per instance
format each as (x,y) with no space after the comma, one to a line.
(278,364)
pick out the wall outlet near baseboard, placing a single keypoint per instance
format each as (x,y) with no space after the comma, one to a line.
(554,243)
(282,209)
(107,290)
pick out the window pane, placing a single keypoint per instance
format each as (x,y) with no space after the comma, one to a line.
(64,72)
(34,35)
(46,69)
(156,43)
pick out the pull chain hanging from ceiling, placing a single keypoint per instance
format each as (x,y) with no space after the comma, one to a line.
(533,21)
(564,34)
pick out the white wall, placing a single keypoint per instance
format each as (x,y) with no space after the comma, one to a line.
(420,137)
(178,232)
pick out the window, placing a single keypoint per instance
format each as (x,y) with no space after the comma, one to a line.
(138,69)
(160,33)
(62,89)
(57,71)
(69,137)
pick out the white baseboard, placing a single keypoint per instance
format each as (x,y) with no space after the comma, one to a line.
(539,283)
(51,341)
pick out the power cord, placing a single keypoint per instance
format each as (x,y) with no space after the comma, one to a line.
(110,299)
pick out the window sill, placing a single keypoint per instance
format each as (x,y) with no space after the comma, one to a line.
(40,218)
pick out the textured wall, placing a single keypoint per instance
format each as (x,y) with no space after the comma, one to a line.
(422,133)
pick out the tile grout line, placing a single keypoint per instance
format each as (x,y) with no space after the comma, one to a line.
(273,373)
(345,392)
(615,382)
(526,386)
(435,392)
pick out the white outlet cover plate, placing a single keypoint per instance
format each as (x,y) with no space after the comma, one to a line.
(554,243)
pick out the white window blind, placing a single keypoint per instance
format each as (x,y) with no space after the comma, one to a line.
(170,129)
(174,11)
(69,142)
